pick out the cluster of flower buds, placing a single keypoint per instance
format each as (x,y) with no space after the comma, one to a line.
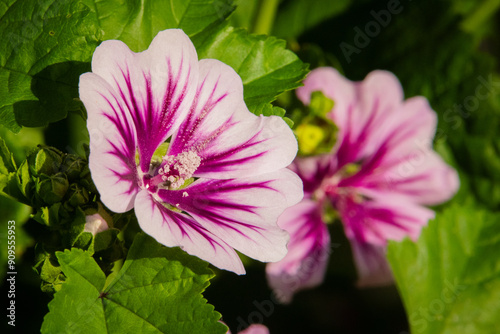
(60,189)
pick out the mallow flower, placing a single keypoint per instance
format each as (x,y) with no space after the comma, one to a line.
(172,138)
(378,179)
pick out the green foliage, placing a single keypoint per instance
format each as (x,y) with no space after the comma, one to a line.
(158,290)
(59,187)
(265,66)
(12,147)
(244,15)
(296,16)
(50,43)
(136,22)
(37,85)
(450,279)
(44,56)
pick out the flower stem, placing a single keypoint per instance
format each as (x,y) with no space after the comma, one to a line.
(264,19)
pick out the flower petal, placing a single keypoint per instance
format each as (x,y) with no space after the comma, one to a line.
(242,212)
(312,171)
(370,119)
(112,143)
(308,251)
(255,329)
(334,86)
(231,141)
(381,218)
(178,229)
(157,85)
(420,176)
(372,265)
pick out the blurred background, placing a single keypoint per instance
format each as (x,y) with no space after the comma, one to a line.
(445,50)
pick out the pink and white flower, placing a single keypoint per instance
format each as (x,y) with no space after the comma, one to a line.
(379,177)
(221,183)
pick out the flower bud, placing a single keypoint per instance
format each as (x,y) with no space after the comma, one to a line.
(45,160)
(320,104)
(95,224)
(315,135)
(73,165)
(77,195)
(51,189)
(86,180)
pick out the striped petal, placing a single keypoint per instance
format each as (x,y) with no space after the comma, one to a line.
(231,141)
(372,265)
(420,176)
(178,229)
(313,170)
(242,212)
(305,264)
(384,217)
(157,86)
(113,143)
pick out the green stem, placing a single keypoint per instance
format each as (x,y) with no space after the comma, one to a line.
(264,20)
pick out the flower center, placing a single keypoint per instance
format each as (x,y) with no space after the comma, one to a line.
(330,188)
(174,171)
(171,171)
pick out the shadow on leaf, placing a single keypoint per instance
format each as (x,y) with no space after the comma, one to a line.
(56,88)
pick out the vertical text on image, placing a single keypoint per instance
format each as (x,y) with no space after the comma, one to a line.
(11,272)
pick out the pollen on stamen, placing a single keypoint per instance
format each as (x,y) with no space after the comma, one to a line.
(185,194)
(187,163)
(182,167)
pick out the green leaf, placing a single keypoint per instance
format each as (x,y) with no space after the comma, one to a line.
(47,44)
(37,85)
(244,15)
(7,163)
(264,64)
(297,16)
(137,22)
(158,290)
(452,269)
(40,69)
(22,143)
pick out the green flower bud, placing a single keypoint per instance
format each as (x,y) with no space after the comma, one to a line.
(320,104)
(86,180)
(51,189)
(309,136)
(315,135)
(45,160)
(77,195)
(73,165)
